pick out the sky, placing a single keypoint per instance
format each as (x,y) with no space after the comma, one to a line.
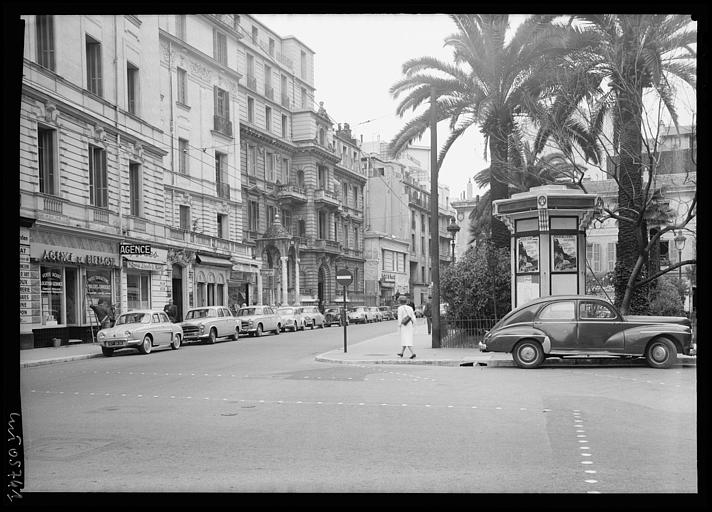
(359,56)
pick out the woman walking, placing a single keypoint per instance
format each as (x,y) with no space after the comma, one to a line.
(406,323)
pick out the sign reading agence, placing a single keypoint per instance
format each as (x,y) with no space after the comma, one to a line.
(134,249)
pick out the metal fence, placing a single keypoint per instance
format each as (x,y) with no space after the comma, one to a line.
(464,332)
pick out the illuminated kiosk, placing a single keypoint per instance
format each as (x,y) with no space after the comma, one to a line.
(548,245)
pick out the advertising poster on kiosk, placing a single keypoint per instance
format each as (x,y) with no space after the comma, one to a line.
(528,254)
(565,253)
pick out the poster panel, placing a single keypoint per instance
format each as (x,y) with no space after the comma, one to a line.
(565,253)
(528,254)
(527,288)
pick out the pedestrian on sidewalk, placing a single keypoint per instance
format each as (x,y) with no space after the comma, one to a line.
(406,325)
(171,310)
(428,313)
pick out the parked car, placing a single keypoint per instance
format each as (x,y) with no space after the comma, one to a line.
(254,320)
(312,317)
(142,329)
(208,323)
(377,315)
(581,325)
(386,313)
(359,315)
(332,316)
(292,318)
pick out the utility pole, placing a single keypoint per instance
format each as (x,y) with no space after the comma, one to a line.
(434,229)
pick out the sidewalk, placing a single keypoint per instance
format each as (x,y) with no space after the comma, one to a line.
(379,350)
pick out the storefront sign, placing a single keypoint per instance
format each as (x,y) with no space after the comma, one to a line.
(387,277)
(76,257)
(126,248)
(144,265)
(51,282)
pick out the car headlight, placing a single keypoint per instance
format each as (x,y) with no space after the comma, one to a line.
(127,334)
(251,322)
(102,335)
(202,327)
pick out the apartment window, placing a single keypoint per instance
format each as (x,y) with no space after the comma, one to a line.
(222,103)
(285,170)
(321,176)
(269,167)
(412,243)
(345,189)
(250,110)
(98,190)
(387,259)
(270,215)
(236,21)
(611,256)
(412,219)
(135,189)
(284,127)
(302,227)
(287,219)
(180,26)
(221,183)
(47,160)
(222,226)
(253,216)
(422,222)
(304,64)
(255,33)
(356,242)
(346,234)
(183,156)
(422,274)
(182,81)
(271,47)
(184,220)
(268,83)
(251,160)
(219,47)
(45,41)
(251,80)
(323,226)
(132,87)
(268,119)
(93,49)
(304,98)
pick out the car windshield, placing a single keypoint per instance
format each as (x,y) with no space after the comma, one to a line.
(286,311)
(134,318)
(199,313)
(246,312)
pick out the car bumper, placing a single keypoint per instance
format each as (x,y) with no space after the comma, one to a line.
(194,337)
(120,343)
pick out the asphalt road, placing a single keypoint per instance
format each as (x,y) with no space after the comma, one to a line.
(259,414)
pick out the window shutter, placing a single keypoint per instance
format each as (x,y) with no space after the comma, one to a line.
(215,100)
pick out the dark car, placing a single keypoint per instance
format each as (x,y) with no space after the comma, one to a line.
(332,316)
(581,325)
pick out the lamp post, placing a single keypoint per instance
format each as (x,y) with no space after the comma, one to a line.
(679,245)
(453,228)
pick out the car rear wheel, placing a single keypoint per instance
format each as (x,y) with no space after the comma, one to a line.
(175,345)
(313,324)
(528,354)
(661,353)
(108,352)
(258,332)
(212,337)
(278,329)
(145,346)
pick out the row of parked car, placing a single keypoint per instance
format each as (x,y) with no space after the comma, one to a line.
(147,329)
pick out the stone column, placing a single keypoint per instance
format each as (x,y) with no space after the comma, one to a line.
(259,287)
(297,291)
(284,259)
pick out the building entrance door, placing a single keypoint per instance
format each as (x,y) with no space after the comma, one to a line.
(177,287)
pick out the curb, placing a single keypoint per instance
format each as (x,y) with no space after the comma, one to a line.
(43,362)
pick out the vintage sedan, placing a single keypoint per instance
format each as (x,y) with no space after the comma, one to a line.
(312,317)
(254,320)
(208,323)
(332,316)
(581,325)
(142,329)
(292,318)
(376,313)
(359,315)
(386,313)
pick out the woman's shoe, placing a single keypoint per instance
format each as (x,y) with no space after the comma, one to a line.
(412,356)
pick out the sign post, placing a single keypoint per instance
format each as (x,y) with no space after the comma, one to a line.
(344,278)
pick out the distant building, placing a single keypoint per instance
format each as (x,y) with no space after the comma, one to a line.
(464,207)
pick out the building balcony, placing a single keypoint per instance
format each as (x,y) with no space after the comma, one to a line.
(327,198)
(252,83)
(330,246)
(222,125)
(292,193)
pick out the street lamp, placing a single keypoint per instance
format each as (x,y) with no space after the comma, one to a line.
(453,228)
(679,245)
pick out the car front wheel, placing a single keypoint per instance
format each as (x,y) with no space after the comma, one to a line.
(212,337)
(661,353)
(258,332)
(145,347)
(175,345)
(108,352)
(528,354)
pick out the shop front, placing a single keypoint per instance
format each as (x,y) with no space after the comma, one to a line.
(242,286)
(64,275)
(212,274)
(144,277)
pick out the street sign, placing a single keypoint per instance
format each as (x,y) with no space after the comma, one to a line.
(344,277)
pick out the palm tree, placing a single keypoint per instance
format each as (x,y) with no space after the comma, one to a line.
(631,53)
(490,84)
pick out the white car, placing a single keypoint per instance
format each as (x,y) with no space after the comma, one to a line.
(254,320)
(142,329)
(291,318)
(208,323)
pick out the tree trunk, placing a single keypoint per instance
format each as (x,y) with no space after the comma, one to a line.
(498,188)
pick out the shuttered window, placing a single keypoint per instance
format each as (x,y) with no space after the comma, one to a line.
(45,41)
(98,190)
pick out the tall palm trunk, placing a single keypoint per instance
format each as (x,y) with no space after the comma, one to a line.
(498,187)
(632,236)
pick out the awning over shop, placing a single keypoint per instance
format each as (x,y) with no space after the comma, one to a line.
(212,260)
